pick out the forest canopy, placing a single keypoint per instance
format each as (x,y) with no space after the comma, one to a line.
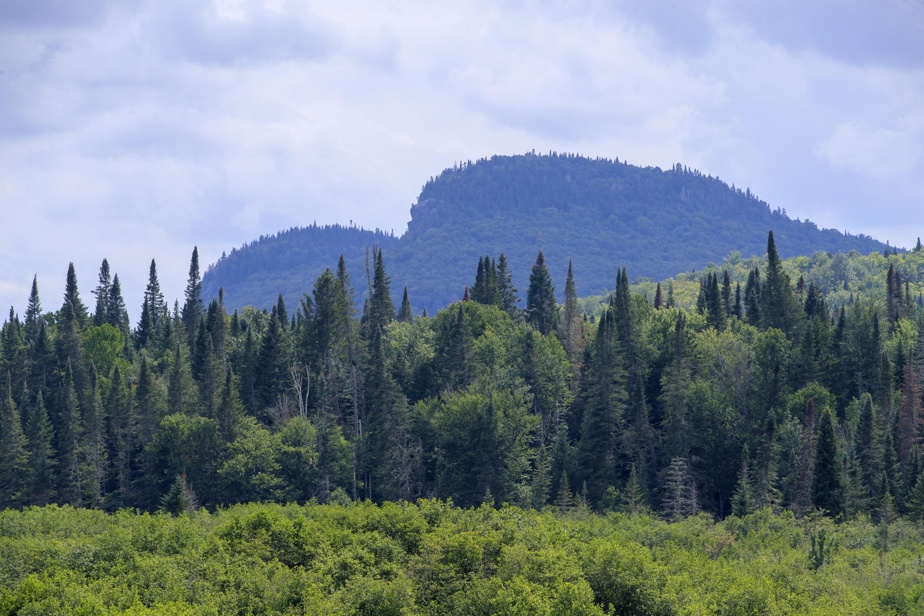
(771,392)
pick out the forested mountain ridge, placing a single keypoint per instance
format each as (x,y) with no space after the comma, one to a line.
(256,273)
(598,213)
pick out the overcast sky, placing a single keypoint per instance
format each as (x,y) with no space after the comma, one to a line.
(136,130)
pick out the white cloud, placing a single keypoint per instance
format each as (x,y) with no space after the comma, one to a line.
(880,153)
(132,131)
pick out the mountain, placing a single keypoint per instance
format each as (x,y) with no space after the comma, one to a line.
(602,214)
(289,262)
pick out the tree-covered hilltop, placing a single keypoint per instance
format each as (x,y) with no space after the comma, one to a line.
(256,273)
(594,212)
(757,395)
(432,558)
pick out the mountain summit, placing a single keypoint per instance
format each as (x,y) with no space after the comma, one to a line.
(599,213)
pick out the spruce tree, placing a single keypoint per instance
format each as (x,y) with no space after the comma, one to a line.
(738,309)
(144,333)
(380,311)
(120,435)
(116,314)
(180,387)
(147,413)
(639,439)
(505,289)
(230,411)
(602,404)
(404,313)
(12,352)
(675,384)
(193,308)
(180,498)
(766,491)
(778,304)
(869,449)
(33,314)
(909,413)
(281,313)
(802,479)
(68,444)
(541,308)
(571,329)
(14,456)
(204,368)
(752,301)
(564,499)
(478,290)
(634,499)
(102,294)
(92,446)
(727,305)
(541,480)
(743,501)
(39,436)
(154,299)
(827,480)
(73,308)
(272,377)
(679,498)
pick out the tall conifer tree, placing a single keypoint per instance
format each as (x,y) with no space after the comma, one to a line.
(827,480)
(68,443)
(102,294)
(39,435)
(505,289)
(193,308)
(14,457)
(33,314)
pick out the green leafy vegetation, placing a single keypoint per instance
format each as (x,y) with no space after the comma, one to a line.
(435,558)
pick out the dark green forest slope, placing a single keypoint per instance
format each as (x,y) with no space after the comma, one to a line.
(256,273)
(599,213)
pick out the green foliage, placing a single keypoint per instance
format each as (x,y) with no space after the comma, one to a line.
(434,558)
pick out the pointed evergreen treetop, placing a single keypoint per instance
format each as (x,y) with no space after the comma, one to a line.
(193,308)
(541,308)
(404,313)
(101,292)
(73,308)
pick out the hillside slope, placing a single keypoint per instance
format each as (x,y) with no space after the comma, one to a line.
(289,262)
(602,214)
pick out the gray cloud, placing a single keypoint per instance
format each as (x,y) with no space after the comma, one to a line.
(241,34)
(15,14)
(888,32)
(136,131)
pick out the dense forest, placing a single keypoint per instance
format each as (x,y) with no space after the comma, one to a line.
(593,212)
(758,395)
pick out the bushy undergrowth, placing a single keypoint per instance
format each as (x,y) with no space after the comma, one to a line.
(435,558)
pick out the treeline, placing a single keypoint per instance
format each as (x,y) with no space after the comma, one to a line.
(434,558)
(759,397)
